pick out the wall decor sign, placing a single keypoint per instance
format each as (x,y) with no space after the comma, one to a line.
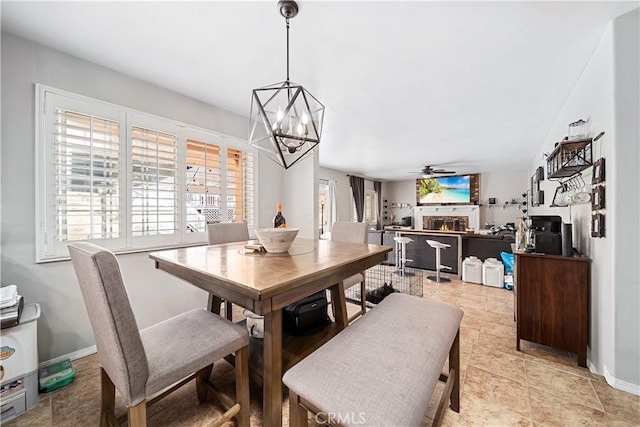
(598,171)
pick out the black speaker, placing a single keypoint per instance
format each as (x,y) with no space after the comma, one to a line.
(567,241)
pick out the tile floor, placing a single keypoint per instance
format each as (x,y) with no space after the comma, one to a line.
(538,386)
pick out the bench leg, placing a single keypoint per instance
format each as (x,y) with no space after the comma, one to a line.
(297,413)
(454,364)
(452,386)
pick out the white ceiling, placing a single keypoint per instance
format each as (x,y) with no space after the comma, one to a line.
(472,86)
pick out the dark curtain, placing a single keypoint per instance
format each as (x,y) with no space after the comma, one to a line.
(357,188)
(377,187)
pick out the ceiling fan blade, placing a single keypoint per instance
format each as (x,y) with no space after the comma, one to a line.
(443,172)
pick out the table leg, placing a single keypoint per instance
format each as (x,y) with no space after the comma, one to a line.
(339,305)
(272,375)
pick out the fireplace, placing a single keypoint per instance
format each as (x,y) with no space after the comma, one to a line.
(445,223)
(468,217)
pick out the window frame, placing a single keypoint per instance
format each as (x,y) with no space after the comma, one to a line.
(48,99)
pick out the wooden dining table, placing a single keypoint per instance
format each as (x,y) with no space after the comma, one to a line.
(265,283)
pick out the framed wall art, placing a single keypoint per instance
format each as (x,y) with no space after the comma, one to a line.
(537,195)
(597,225)
(598,198)
(598,171)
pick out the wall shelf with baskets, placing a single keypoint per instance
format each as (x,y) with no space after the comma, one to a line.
(570,157)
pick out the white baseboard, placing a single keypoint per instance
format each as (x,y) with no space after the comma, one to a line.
(619,384)
(72,356)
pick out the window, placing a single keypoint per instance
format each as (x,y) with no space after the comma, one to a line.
(131,181)
(204,178)
(86,180)
(154,184)
(323,199)
(370,207)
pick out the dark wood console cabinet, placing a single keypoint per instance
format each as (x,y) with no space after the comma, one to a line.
(552,301)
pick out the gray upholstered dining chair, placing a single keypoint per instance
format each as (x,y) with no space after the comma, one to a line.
(353,232)
(226,232)
(142,363)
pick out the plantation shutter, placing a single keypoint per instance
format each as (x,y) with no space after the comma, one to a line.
(131,181)
(248,189)
(204,184)
(154,183)
(86,180)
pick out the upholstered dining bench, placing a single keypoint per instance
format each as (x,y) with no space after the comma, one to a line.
(382,369)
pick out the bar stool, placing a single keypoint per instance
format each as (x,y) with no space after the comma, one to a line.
(438,245)
(401,255)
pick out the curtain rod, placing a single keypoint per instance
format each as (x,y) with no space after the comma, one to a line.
(366,179)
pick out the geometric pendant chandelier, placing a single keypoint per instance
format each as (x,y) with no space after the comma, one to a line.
(286,120)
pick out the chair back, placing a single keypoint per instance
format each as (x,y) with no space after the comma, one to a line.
(226,232)
(349,232)
(114,325)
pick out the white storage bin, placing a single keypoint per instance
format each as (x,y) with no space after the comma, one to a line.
(19,349)
(472,270)
(493,273)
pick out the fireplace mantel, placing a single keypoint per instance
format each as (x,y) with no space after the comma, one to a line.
(471,211)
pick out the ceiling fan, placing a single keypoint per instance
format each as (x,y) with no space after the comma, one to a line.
(429,171)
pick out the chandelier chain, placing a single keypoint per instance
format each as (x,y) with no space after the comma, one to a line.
(287,21)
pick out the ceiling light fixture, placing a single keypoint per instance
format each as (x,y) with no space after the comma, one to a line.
(286,120)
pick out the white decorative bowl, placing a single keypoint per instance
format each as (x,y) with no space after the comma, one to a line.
(277,240)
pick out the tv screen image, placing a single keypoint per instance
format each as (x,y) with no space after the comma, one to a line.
(444,189)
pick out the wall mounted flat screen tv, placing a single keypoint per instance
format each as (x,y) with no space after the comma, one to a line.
(444,190)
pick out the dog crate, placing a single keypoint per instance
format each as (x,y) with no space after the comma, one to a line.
(382,280)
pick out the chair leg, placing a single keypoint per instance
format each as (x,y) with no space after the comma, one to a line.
(363,300)
(242,386)
(297,413)
(138,415)
(108,398)
(203,375)
(228,310)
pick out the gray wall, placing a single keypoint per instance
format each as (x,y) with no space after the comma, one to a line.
(64,327)
(626,225)
(607,94)
(591,98)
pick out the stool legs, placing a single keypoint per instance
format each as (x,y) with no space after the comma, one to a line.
(437,277)
(401,259)
(437,264)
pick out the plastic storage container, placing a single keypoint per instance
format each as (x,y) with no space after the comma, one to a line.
(19,359)
(472,270)
(493,273)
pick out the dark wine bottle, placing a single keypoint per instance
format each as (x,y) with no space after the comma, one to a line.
(278,220)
